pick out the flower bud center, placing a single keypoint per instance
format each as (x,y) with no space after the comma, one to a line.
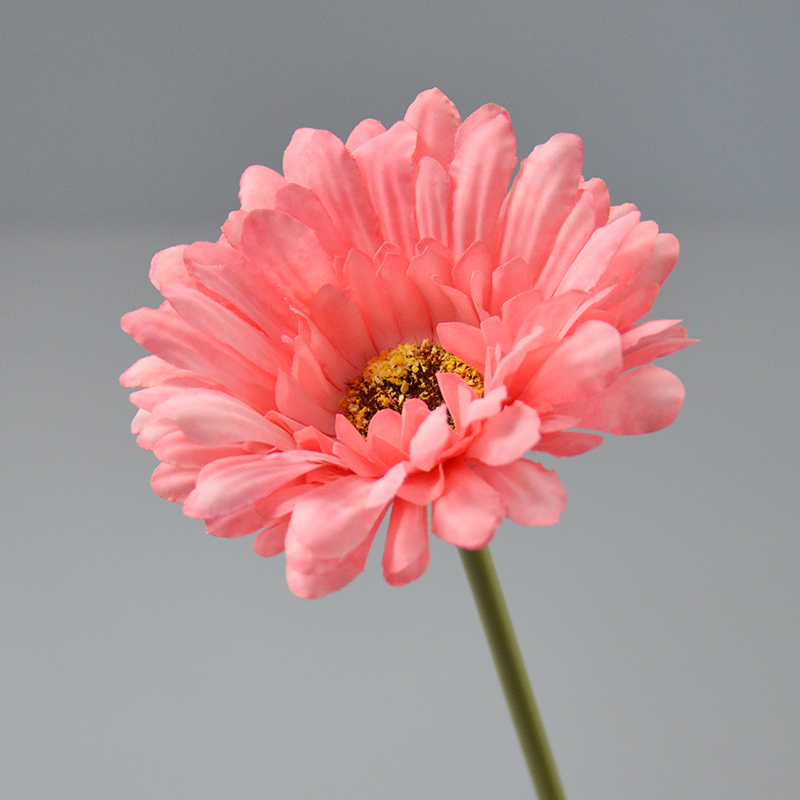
(394,376)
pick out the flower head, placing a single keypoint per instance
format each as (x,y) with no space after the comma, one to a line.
(386,328)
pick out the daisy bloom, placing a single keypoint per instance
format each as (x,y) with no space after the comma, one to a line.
(387,328)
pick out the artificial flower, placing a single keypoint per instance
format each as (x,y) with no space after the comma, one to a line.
(387,328)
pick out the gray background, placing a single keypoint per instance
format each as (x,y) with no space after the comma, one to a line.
(141,658)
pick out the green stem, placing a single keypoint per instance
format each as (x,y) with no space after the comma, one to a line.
(499,631)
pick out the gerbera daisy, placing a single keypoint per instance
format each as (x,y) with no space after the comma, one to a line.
(387,328)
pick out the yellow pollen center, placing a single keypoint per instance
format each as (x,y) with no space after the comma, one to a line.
(397,375)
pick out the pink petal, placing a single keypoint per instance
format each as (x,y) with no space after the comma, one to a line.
(457,395)
(289,252)
(336,367)
(172,338)
(647,331)
(208,316)
(479,290)
(531,494)
(469,511)
(552,316)
(308,374)
(464,308)
(508,281)
(150,397)
(384,438)
(226,273)
(258,187)
(485,113)
(442,250)
(280,504)
(385,489)
(176,449)
(506,436)
(272,540)
(296,403)
(423,487)
(340,321)
(602,204)
(495,335)
(364,288)
(304,206)
(593,260)
(241,523)
(320,162)
(477,258)
(314,586)
(516,310)
(228,485)
(311,439)
(173,483)
(387,424)
(141,420)
(464,341)
(363,132)
(386,165)
(318,576)
(335,518)
(436,121)
(592,306)
(214,418)
(149,371)
(428,272)
(432,438)
(542,196)
(620,211)
(661,261)
(553,423)
(407,552)
(168,266)
(485,407)
(348,435)
(384,452)
(297,156)
(568,443)
(632,254)
(408,303)
(153,431)
(657,349)
(356,463)
(480,173)
(413,414)
(631,304)
(571,239)
(651,340)
(645,400)
(431,200)
(232,228)
(515,369)
(584,364)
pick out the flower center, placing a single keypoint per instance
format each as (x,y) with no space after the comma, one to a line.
(396,375)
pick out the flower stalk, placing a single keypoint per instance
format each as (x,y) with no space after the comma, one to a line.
(496,620)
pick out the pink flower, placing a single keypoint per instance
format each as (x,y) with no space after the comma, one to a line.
(386,328)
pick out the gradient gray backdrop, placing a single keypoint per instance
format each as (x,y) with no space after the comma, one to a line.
(141,658)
